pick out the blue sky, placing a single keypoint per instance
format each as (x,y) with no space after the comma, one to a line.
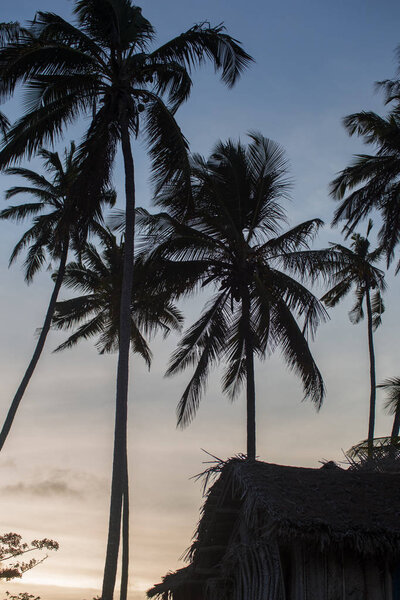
(315,63)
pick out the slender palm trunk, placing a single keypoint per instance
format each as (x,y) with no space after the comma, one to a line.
(38,350)
(125,537)
(395,433)
(396,424)
(250,382)
(121,409)
(372,398)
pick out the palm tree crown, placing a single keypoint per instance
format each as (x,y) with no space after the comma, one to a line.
(233,241)
(392,387)
(56,213)
(96,312)
(359,271)
(372,180)
(105,67)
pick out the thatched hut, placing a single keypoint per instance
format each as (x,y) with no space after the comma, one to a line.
(271,532)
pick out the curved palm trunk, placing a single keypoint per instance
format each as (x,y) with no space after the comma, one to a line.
(125,537)
(121,409)
(38,350)
(372,398)
(250,382)
(395,433)
(396,424)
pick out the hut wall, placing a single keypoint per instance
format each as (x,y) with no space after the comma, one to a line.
(333,575)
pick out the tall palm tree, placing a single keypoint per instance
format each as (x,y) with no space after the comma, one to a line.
(104,66)
(95,313)
(233,241)
(55,229)
(392,405)
(372,180)
(359,272)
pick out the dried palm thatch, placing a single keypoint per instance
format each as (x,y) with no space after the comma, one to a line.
(385,455)
(268,530)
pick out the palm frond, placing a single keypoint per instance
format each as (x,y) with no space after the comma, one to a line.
(114,24)
(86,331)
(197,335)
(204,41)
(235,373)
(36,256)
(4,124)
(292,240)
(139,344)
(168,151)
(392,387)
(68,313)
(9,32)
(202,346)
(389,234)
(300,301)
(39,128)
(54,29)
(313,265)
(21,212)
(371,181)
(357,312)
(378,308)
(338,292)
(36,179)
(288,336)
(170,79)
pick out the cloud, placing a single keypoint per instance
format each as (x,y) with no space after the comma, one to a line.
(9,464)
(46,487)
(63,483)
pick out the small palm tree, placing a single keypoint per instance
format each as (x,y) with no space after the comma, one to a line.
(372,180)
(233,241)
(95,313)
(359,272)
(56,228)
(392,405)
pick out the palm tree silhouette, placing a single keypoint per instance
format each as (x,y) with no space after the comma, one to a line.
(233,241)
(359,272)
(104,66)
(392,405)
(56,228)
(95,314)
(372,180)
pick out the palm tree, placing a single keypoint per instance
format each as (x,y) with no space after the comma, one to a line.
(359,272)
(372,180)
(233,241)
(104,66)
(392,405)
(56,228)
(95,313)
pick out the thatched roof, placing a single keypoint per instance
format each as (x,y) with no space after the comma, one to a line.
(359,508)
(326,508)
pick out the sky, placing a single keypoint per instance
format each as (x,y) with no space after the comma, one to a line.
(315,62)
